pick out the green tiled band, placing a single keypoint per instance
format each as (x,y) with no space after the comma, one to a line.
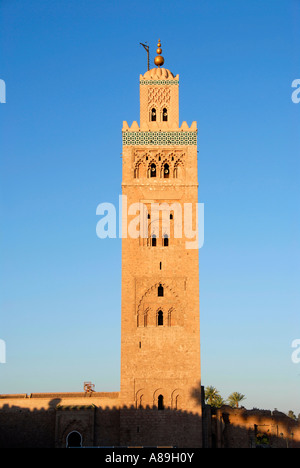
(159,138)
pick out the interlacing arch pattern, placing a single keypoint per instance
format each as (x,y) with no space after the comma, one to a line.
(158,96)
(139,169)
(160,166)
(163,316)
(154,288)
(178,169)
(156,312)
(159,399)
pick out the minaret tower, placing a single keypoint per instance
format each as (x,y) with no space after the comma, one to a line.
(160,330)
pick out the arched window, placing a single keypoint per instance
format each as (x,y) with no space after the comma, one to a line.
(160,290)
(160,402)
(74,439)
(153,115)
(160,318)
(165,115)
(153,170)
(153,240)
(166,240)
(166,171)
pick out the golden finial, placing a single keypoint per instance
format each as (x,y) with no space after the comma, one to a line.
(159,61)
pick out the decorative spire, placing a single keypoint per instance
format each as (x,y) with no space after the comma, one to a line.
(159,61)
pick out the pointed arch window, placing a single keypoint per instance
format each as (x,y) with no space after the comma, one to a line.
(165,114)
(153,240)
(160,290)
(160,402)
(160,318)
(166,171)
(153,114)
(153,170)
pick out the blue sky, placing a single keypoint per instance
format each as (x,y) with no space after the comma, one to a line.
(72,70)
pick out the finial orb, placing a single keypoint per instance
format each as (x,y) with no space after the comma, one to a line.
(159,61)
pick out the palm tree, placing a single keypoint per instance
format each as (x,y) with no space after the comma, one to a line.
(235,398)
(211,395)
(218,401)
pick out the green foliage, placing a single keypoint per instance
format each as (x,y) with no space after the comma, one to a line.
(235,398)
(218,401)
(213,397)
